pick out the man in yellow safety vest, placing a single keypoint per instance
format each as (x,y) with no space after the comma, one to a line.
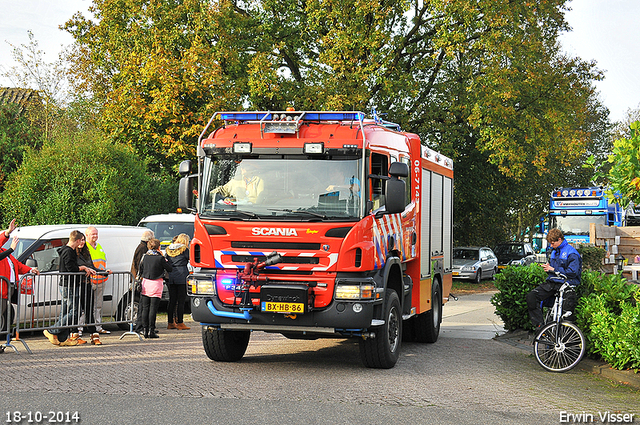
(99,259)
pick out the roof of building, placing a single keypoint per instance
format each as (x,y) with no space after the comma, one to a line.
(22,97)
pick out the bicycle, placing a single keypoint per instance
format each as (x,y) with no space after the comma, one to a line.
(559,345)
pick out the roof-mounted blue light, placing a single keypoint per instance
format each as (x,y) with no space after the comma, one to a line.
(277,116)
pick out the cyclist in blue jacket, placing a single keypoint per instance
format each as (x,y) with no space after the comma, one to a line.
(564,259)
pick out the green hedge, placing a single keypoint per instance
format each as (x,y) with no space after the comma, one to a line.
(514,283)
(609,316)
(608,311)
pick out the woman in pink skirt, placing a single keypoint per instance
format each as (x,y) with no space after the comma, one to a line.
(151,269)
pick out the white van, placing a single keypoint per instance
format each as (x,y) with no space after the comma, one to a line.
(41,243)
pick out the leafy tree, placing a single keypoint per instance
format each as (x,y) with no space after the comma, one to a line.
(83,178)
(483,81)
(160,69)
(624,174)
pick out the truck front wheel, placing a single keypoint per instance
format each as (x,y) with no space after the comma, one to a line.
(383,350)
(225,346)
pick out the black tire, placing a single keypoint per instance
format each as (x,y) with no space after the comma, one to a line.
(478,276)
(383,350)
(225,346)
(126,311)
(563,355)
(427,324)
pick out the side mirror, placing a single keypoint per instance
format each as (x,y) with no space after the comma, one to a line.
(396,189)
(31,263)
(185,193)
(185,168)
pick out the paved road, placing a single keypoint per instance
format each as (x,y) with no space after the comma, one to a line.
(464,378)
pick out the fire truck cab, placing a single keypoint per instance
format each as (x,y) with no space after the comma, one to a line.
(317,224)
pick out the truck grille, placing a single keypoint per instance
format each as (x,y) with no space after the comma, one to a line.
(275,245)
(285,260)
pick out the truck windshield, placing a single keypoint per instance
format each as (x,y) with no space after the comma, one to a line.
(301,189)
(576,224)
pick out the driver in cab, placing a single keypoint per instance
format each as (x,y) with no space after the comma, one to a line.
(245,187)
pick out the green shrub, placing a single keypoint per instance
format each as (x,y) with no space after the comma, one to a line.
(609,316)
(514,283)
(592,256)
(85,178)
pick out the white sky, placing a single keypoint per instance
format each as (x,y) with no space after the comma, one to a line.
(603,30)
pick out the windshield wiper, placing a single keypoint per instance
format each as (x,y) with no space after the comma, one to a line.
(311,213)
(239,212)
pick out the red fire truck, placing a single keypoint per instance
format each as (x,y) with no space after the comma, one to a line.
(318,224)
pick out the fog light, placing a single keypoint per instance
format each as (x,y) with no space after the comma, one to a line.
(357,308)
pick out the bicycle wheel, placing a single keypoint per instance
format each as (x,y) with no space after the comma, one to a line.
(562,353)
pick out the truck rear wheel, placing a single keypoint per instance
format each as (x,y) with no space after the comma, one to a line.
(225,346)
(382,352)
(427,324)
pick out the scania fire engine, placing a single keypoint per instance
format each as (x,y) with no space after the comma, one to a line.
(317,224)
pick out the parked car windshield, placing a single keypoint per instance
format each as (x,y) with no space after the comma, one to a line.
(466,254)
(509,249)
(276,189)
(165,231)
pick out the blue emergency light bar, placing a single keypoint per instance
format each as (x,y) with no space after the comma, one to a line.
(309,116)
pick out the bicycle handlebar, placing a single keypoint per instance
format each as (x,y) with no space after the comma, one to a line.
(560,275)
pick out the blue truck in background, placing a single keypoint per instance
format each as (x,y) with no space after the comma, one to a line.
(572,210)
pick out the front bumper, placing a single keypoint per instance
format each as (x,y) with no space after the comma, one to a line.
(458,274)
(338,317)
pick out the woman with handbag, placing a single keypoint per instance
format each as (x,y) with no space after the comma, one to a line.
(151,269)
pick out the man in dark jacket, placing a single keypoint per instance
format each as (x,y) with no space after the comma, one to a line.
(564,259)
(140,250)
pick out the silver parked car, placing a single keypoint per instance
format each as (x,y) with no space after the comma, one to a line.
(475,263)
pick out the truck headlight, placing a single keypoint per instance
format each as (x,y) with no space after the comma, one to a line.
(197,286)
(355,292)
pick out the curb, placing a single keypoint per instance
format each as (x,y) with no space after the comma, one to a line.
(624,377)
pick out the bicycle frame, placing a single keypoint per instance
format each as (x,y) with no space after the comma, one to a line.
(557,313)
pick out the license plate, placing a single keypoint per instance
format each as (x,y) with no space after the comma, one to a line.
(502,267)
(278,307)
(456,273)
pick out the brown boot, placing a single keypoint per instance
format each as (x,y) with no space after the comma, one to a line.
(76,337)
(172,325)
(51,337)
(181,326)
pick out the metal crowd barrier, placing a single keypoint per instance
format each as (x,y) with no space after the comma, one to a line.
(7,316)
(40,302)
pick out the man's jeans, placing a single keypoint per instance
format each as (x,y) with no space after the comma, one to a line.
(70,308)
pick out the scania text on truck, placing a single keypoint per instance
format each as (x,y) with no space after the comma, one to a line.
(572,210)
(314,225)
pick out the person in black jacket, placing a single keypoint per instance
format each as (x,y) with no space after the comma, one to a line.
(178,256)
(151,269)
(70,281)
(147,235)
